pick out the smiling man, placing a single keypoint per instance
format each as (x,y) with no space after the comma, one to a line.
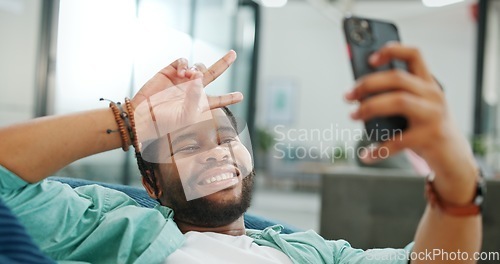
(205,173)
(194,161)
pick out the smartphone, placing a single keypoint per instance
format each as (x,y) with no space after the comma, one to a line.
(365,36)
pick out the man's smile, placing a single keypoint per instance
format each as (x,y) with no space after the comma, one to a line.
(218,178)
(215,179)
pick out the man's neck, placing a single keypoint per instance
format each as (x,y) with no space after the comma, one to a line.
(236,228)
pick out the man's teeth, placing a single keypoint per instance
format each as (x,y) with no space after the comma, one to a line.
(220,177)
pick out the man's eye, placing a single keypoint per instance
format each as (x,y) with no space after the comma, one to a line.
(187,149)
(227,140)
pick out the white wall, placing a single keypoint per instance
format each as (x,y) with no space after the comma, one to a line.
(301,45)
(304,44)
(19,31)
(447,39)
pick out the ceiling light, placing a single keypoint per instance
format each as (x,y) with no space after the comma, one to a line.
(438,3)
(273,3)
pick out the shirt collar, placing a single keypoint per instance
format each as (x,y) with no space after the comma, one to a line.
(167,212)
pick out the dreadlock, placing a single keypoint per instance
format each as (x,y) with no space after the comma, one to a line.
(147,170)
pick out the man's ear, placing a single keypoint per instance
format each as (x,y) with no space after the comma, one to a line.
(150,189)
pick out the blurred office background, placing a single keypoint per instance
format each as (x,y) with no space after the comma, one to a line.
(61,56)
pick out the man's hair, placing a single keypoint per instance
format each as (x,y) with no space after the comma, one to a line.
(147,168)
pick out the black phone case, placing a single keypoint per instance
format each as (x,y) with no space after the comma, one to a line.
(380,128)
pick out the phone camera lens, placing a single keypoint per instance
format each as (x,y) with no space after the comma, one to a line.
(360,32)
(357,36)
(364,24)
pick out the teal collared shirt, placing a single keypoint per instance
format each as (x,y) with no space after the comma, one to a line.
(93,224)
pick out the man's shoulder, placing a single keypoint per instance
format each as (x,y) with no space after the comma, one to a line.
(139,195)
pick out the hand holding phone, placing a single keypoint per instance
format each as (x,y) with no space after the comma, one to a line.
(365,36)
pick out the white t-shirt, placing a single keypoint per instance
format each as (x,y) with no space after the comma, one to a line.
(209,247)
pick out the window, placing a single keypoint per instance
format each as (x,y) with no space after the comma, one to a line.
(110,48)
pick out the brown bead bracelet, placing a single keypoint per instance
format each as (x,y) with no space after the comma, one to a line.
(126,127)
(132,130)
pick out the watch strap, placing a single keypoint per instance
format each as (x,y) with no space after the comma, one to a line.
(473,208)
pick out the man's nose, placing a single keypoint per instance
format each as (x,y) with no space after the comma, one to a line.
(216,154)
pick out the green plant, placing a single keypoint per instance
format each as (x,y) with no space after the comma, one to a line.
(339,153)
(479,146)
(265,139)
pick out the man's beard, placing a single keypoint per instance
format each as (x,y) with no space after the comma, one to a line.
(204,212)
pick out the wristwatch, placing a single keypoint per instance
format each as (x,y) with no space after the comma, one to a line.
(473,208)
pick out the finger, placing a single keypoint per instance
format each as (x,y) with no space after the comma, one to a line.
(410,55)
(196,75)
(193,73)
(387,81)
(224,100)
(174,69)
(201,67)
(182,65)
(393,104)
(219,67)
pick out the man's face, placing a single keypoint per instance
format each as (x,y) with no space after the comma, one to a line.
(207,178)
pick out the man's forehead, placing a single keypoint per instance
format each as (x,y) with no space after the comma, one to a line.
(219,119)
(220,125)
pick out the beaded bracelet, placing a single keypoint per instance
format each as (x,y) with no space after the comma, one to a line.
(132,130)
(122,120)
